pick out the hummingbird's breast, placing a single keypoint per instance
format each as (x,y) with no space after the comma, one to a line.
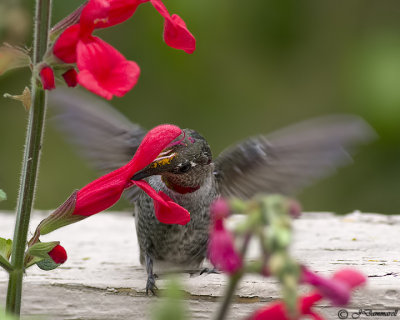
(186,245)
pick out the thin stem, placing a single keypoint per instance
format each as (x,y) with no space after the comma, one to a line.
(230,290)
(31,160)
(233,282)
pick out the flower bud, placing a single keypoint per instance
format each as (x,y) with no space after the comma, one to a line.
(71,78)
(47,78)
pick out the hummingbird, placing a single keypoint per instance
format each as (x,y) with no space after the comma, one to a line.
(282,162)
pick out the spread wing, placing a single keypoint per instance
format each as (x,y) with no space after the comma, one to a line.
(101,134)
(290,159)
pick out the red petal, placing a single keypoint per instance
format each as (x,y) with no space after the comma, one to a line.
(119,11)
(274,311)
(47,78)
(101,193)
(176,34)
(151,192)
(307,302)
(58,254)
(166,211)
(70,77)
(65,46)
(277,311)
(94,12)
(155,141)
(104,70)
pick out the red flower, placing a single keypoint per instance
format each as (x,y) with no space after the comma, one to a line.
(103,192)
(176,34)
(277,311)
(71,78)
(47,78)
(221,247)
(58,254)
(103,70)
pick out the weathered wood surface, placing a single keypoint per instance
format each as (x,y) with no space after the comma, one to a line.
(103,279)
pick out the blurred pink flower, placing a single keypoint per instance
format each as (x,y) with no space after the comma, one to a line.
(346,280)
(221,248)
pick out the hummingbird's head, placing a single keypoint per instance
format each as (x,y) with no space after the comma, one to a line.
(185,162)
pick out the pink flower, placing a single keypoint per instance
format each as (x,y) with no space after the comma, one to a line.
(338,288)
(58,254)
(347,280)
(71,78)
(221,247)
(47,78)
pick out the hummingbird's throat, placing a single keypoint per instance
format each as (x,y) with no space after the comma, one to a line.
(178,188)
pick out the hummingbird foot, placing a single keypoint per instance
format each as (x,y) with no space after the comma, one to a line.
(209,271)
(151,277)
(151,285)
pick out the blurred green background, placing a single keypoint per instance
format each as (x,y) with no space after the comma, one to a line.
(259,65)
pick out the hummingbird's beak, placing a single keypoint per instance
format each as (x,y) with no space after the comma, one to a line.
(158,166)
(140,175)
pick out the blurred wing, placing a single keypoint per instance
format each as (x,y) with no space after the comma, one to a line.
(102,135)
(290,159)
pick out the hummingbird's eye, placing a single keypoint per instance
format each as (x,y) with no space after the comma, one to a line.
(185,167)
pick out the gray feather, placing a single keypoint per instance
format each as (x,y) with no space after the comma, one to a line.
(290,159)
(102,135)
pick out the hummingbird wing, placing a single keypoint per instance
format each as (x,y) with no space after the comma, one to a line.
(102,135)
(290,159)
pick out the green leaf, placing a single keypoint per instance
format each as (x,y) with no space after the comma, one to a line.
(3,195)
(41,249)
(47,264)
(5,248)
(12,58)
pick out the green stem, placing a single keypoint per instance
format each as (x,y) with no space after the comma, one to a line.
(233,282)
(31,159)
(230,290)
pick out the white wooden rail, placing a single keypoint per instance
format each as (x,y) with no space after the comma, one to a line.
(103,279)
